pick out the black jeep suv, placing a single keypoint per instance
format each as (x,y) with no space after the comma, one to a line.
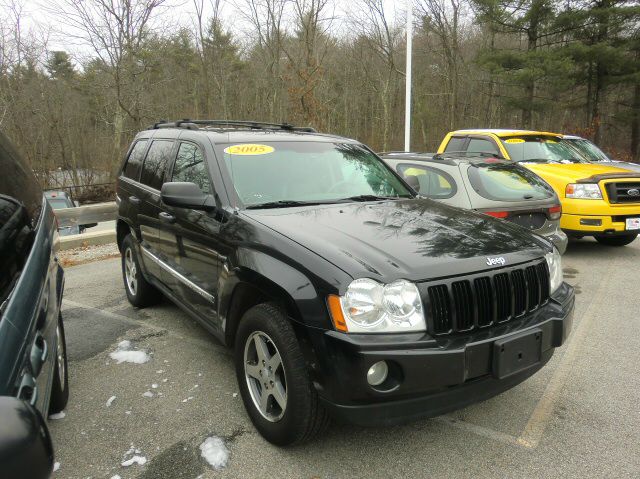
(341,292)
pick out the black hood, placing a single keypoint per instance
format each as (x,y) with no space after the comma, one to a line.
(412,239)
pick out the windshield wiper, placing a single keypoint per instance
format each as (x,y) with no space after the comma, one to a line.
(281,204)
(372,198)
(537,160)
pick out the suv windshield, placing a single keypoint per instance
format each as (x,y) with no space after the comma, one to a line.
(291,173)
(587,149)
(541,149)
(508,183)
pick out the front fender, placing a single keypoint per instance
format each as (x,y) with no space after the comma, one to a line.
(303,299)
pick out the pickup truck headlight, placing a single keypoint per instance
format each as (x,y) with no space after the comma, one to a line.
(554,261)
(583,191)
(371,307)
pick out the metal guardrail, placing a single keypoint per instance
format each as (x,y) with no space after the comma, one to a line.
(83,215)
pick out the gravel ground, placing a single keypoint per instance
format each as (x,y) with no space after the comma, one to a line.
(87,254)
(577,418)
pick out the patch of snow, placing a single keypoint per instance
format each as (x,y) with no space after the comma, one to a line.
(165,361)
(159,371)
(127,412)
(117,476)
(56,466)
(58,415)
(235,395)
(188,399)
(148,394)
(140,460)
(215,452)
(110,400)
(199,374)
(165,380)
(154,386)
(125,354)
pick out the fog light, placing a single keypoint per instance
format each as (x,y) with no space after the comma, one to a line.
(377,373)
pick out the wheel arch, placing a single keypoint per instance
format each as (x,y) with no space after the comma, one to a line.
(263,278)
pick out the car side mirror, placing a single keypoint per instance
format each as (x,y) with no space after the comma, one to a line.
(186,195)
(26,449)
(413,182)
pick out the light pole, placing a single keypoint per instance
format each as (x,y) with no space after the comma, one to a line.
(407,105)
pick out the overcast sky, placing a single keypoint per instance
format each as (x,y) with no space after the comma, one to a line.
(36,18)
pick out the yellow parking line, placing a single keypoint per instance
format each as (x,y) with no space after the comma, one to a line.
(539,419)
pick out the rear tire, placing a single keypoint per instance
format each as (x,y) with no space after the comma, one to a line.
(288,383)
(60,385)
(140,292)
(621,240)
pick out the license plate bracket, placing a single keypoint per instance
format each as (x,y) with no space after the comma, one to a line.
(632,224)
(516,353)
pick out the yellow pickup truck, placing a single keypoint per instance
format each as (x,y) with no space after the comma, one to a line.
(597,200)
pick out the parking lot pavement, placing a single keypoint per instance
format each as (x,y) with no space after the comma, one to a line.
(578,417)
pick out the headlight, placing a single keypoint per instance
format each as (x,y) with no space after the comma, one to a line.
(370,307)
(554,262)
(583,191)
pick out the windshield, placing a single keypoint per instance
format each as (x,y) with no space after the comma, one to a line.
(587,149)
(308,172)
(58,203)
(541,149)
(508,183)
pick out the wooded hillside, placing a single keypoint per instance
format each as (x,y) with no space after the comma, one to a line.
(571,66)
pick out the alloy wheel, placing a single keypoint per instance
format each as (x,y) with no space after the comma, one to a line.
(264,373)
(130,271)
(60,357)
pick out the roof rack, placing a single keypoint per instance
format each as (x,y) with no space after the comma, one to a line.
(398,152)
(252,125)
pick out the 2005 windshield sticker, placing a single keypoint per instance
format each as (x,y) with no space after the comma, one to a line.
(249,149)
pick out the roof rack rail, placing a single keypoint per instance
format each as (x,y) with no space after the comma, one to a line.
(253,125)
(398,152)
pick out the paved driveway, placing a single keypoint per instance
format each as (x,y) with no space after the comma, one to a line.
(578,417)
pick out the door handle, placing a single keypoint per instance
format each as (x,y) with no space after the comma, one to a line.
(28,390)
(134,200)
(166,217)
(39,353)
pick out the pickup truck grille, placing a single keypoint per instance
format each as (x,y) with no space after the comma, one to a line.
(478,301)
(627,192)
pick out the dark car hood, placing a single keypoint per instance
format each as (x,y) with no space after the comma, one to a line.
(411,239)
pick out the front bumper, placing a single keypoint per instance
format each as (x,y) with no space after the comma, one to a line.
(430,376)
(575,224)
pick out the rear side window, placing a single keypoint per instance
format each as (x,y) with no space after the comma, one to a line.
(190,166)
(155,164)
(434,183)
(455,144)
(134,162)
(508,183)
(480,145)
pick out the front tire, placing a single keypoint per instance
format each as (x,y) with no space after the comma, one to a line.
(273,378)
(60,386)
(140,292)
(621,240)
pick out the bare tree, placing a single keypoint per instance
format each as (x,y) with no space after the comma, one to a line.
(115,31)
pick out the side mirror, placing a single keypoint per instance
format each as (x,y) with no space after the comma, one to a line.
(26,449)
(413,182)
(186,195)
